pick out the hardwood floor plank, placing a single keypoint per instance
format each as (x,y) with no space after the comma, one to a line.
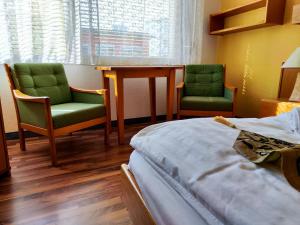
(98,208)
(84,189)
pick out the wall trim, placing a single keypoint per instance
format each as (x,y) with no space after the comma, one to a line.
(132,121)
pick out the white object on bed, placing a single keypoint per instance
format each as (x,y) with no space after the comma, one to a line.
(291,120)
(166,205)
(198,154)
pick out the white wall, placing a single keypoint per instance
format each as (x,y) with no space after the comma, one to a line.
(136,90)
(209,46)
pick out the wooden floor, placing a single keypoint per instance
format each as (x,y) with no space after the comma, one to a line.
(84,189)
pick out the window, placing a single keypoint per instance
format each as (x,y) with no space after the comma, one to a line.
(131,28)
(97,31)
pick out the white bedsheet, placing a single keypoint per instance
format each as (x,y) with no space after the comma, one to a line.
(198,154)
(167,206)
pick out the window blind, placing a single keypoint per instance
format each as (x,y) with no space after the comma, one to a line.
(93,31)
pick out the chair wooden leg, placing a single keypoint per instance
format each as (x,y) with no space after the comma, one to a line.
(53,150)
(106,133)
(178,116)
(233,114)
(22,139)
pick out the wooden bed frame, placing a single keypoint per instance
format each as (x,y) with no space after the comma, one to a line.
(133,199)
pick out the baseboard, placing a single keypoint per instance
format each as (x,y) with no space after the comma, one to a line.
(28,134)
(15,135)
(5,174)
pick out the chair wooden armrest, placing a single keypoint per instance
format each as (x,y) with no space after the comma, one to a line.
(99,92)
(27,98)
(233,91)
(103,92)
(42,112)
(180,85)
(232,88)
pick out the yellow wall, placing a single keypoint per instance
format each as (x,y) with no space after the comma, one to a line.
(253,58)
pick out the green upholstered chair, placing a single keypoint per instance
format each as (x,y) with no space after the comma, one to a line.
(204,93)
(46,104)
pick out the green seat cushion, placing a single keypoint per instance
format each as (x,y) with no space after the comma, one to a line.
(204,80)
(71,113)
(43,79)
(204,103)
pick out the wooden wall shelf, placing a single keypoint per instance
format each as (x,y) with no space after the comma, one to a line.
(274,14)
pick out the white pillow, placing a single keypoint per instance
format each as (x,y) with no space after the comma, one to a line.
(295,97)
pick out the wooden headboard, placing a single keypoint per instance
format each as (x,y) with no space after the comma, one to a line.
(287,82)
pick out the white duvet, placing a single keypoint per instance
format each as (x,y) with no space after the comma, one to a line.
(198,154)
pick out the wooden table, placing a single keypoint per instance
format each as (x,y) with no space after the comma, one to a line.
(119,73)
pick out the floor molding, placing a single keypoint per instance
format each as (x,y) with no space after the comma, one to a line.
(28,134)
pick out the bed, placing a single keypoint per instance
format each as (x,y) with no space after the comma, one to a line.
(186,172)
(159,189)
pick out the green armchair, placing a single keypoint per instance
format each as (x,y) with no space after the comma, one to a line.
(47,105)
(203,92)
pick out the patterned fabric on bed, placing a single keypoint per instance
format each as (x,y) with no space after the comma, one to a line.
(259,149)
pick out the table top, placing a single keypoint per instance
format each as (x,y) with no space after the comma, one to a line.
(277,100)
(109,68)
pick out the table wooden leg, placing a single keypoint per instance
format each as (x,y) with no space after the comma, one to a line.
(168,90)
(108,109)
(119,93)
(170,94)
(152,89)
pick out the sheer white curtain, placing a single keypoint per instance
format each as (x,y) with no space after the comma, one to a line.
(135,32)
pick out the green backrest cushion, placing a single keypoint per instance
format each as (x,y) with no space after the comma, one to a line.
(204,80)
(45,79)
